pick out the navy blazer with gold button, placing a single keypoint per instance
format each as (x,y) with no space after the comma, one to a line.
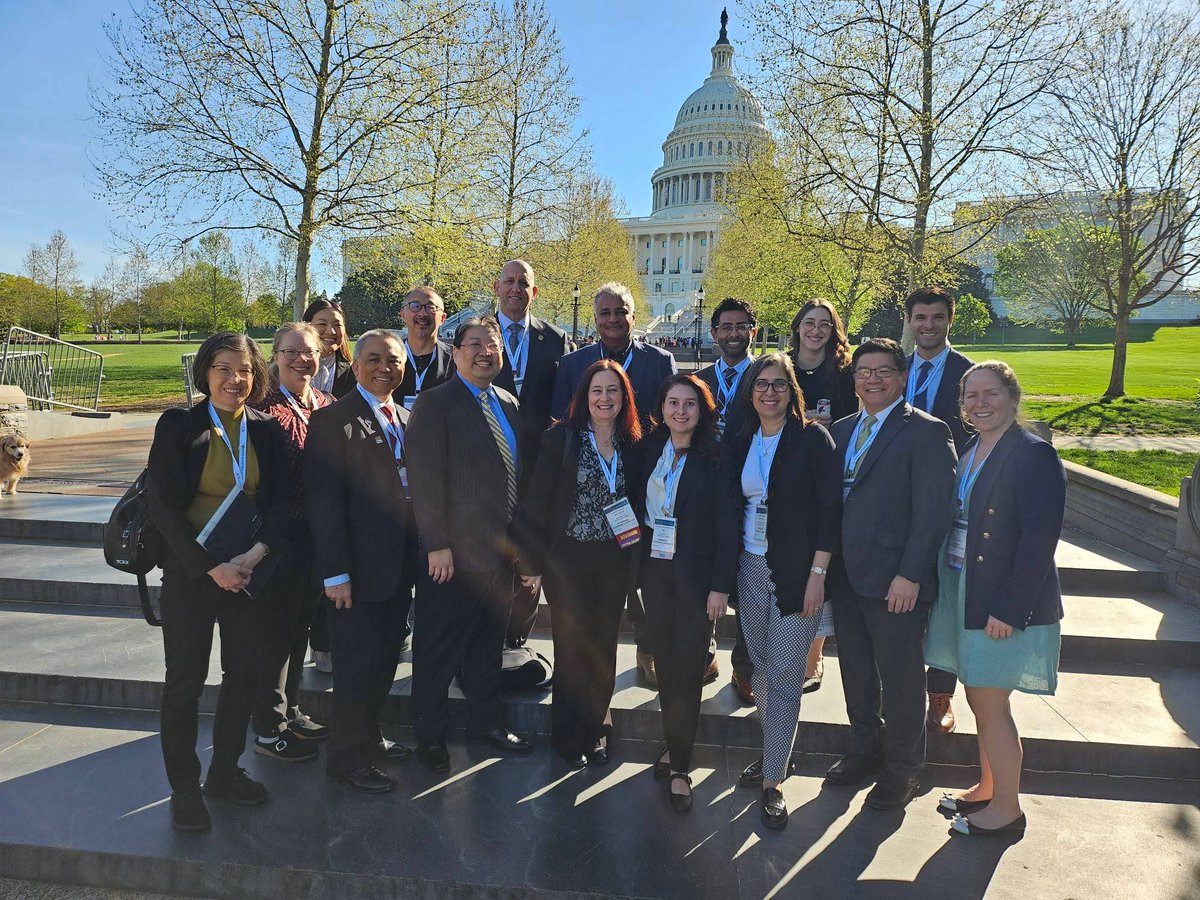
(1013,526)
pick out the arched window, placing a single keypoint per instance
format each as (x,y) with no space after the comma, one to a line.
(679,264)
(669,309)
(710,148)
(700,147)
(720,148)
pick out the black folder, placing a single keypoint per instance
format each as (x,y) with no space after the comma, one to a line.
(234,529)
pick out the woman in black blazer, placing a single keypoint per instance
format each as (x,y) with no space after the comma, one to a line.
(198,456)
(333,368)
(586,464)
(689,560)
(785,468)
(996,620)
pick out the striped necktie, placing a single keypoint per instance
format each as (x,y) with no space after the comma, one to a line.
(506,453)
(864,434)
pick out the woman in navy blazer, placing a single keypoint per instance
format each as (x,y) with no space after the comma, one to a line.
(685,492)
(996,620)
(190,470)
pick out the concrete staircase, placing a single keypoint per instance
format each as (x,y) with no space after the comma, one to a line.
(82,793)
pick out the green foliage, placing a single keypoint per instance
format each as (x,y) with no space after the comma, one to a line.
(1160,470)
(1124,415)
(371,298)
(971,317)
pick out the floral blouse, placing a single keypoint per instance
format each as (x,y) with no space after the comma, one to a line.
(587,521)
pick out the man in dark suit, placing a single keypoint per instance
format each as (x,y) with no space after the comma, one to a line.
(898,489)
(466,448)
(430,361)
(734,328)
(647,367)
(934,372)
(354,485)
(532,350)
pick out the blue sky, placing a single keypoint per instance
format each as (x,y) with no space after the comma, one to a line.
(633,64)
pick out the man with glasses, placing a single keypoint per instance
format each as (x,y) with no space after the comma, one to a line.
(532,351)
(897,489)
(934,372)
(430,361)
(734,328)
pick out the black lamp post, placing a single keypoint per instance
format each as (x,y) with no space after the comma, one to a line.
(575,315)
(699,318)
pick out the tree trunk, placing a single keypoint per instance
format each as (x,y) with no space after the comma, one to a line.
(1116,381)
(1072,330)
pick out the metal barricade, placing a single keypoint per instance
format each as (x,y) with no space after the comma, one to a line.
(52,373)
(185,362)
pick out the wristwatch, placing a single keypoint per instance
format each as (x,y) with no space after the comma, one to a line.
(819,570)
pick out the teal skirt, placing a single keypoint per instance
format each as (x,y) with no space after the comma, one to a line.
(1026,661)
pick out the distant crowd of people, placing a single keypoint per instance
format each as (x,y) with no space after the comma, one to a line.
(892,502)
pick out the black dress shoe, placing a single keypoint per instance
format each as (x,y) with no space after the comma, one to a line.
(892,792)
(854,768)
(188,812)
(949,804)
(368,779)
(752,775)
(774,810)
(434,756)
(681,803)
(599,755)
(507,742)
(238,787)
(390,751)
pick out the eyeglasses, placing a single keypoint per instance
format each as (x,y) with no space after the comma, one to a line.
(862,373)
(762,385)
(730,328)
(225,373)
(291,354)
(418,306)
(814,325)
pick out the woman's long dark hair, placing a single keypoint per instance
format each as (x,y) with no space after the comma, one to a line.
(795,406)
(320,305)
(837,349)
(629,428)
(706,438)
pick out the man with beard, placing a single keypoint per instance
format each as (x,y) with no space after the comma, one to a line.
(430,361)
(934,371)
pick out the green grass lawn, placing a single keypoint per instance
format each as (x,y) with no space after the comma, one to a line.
(1127,415)
(144,376)
(1160,470)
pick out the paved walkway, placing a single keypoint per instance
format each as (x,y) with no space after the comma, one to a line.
(1177,444)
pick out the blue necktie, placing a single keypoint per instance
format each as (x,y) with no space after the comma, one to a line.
(920,398)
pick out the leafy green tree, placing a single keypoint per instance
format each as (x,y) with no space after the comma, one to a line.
(971,317)
(371,298)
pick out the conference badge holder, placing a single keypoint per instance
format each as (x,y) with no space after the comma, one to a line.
(623,522)
(662,545)
(956,547)
(760,523)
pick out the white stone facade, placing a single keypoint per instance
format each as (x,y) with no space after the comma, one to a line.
(718,126)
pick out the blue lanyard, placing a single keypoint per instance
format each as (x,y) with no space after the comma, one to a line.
(853,459)
(911,392)
(966,480)
(609,469)
(518,358)
(671,479)
(628,356)
(389,427)
(238,462)
(419,374)
(295,404)
(766,456)
(731,392)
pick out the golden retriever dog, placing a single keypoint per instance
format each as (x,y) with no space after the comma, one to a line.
(14,461)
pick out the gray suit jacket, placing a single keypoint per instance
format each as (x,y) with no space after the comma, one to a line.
(898,512)
(456,476)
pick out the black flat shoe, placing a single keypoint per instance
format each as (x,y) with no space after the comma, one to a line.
(958,805)
(238,787)
(507,742)
(188,812)
(962,825)
(681,803)
(752,775)
(662,768)
(774,810)
(368,779)
(854,768)
(434,757)
(892,792)
(390,751)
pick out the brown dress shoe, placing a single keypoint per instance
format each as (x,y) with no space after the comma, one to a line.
(645,668)
(712,671)
(940,716)
(744,688)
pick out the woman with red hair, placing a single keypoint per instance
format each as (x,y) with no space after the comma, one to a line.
(577,527)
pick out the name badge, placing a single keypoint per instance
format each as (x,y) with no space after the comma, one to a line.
(956,549)
(846,485)
(409,401)
(403,478)
(518,383)
(760,523)
(662,546)
(623,522)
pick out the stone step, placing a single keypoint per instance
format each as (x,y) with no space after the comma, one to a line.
(102,658)
(1087,565)
(84,800)
(54,517)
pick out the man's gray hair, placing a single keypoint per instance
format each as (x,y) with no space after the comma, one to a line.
(614,289)
(379,333)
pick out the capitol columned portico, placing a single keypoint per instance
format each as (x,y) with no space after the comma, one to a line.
(719,127)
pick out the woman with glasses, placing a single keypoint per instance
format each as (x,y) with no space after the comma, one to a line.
(821,352)
(785,466)
(996,620)
(333,368)
(283,731)
(198,458)
(689,561)
(578,527)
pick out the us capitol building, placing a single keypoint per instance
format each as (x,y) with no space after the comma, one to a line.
(719,126)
